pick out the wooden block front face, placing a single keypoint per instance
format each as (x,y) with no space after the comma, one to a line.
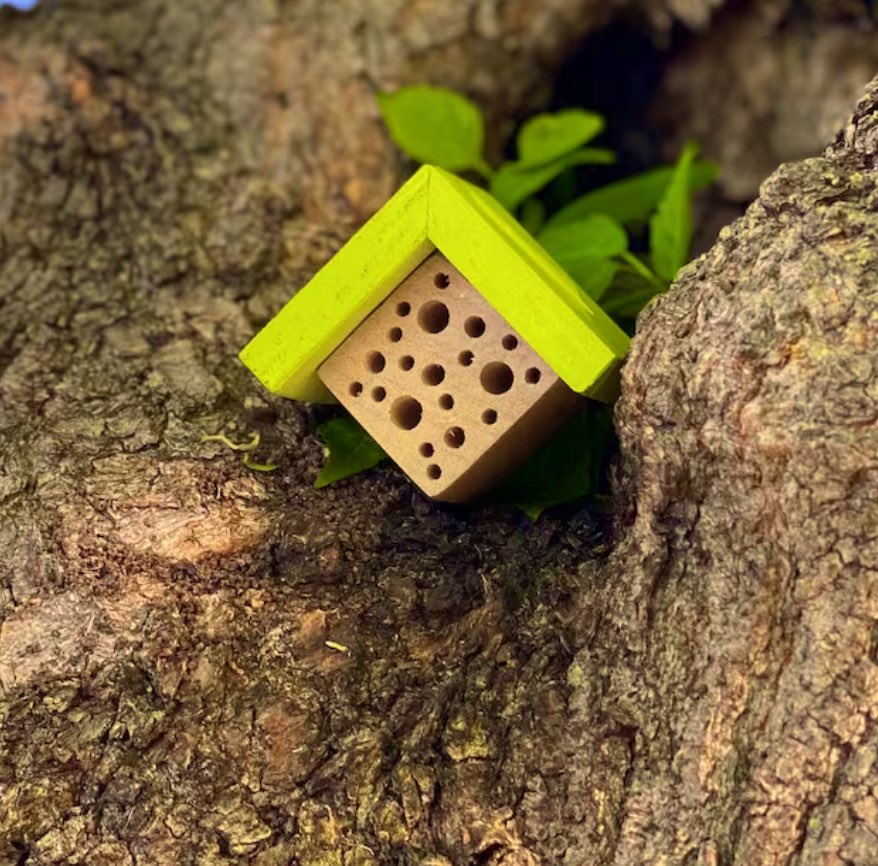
(451,392)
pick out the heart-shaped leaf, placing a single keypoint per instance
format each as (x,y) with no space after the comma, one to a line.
(436,126)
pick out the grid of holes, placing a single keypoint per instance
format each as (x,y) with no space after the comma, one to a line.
(406,412)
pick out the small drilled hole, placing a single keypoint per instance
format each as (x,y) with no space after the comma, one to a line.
(433,374)
(455,437)
(356,389)
(474,326)
(441,281)
(497,377)
(489,416)
(378,394)
(446,401)
(434,472)
(510,342)
(406,362)
(465,358)
(403,308)
(394,335)
(532,375)
(427,449)
(433,317)
(375,362)
(406,413)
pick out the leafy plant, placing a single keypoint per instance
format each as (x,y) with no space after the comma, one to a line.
(571,465)
(592,235)
(597,237)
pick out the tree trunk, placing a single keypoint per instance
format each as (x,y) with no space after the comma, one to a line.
(201,664)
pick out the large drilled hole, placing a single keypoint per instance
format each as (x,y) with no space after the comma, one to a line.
(532,376)
(433,374)
(510,342)
(406,362)
(465,358)
(434,472)
(406,413)
(446,401)
(455,437)
(433,317)
(497,377)
(441,281)
(474,326)
(489,416)
(394,335)
(403,308)
(375,362)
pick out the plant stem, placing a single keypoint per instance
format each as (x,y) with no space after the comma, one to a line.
(639,267)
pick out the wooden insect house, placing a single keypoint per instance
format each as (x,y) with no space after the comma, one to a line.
(448,332)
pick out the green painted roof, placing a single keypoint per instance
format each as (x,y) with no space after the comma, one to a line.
(436,210)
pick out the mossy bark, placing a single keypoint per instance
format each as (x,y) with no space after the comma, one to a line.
(204,664)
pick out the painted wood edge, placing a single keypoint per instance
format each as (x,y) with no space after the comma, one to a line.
(287,352)
(524,283)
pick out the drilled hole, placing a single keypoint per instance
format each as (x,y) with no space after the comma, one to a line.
(441,281)
(403,308)
(497,377)
(455,437)
(434,472)
(446,401)
(532,376)
(489,416)
(394,335)
(474,326)
(510,342)
(427,449)
(378,394)
(356,389)
(375,362)
(433,374)
(406,413)
(406,362)
(433,317)
(465,358)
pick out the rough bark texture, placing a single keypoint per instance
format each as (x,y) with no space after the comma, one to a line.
(743,598)
(491,692)
(771,83)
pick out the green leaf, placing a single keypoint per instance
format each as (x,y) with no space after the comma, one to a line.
(533,215)
(513,182)
(632,200)
(594,236)
(571,465)
(585,250)
(546,137)
(670,228)
(594,276)
(437,126)
(634,286)
(350,449)
(628,304)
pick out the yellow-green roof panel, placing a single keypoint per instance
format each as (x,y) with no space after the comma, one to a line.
(437,210)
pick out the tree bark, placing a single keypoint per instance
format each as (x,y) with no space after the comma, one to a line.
(203,664)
